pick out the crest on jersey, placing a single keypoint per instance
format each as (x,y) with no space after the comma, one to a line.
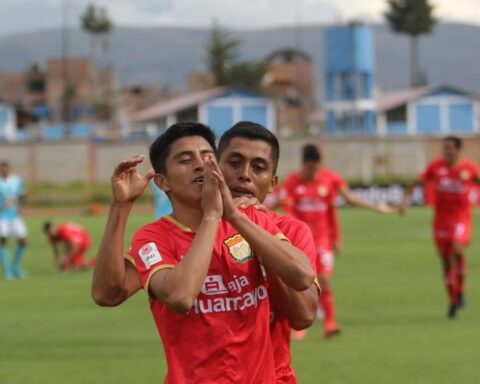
(322,191)
(465,175)
(238,248)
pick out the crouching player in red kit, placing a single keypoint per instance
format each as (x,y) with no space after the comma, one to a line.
(203,274)
(309,195)
(453,179)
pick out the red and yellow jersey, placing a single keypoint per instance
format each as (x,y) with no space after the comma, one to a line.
(453,188)
(301,237)
(71,233)
(313,202)
(225,337)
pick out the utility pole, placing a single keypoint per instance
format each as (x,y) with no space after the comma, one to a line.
(66,91)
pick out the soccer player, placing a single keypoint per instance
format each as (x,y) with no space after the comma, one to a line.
(248,158)
(75,241)
(453,178)
(309,195)
(12,193)
(204,281)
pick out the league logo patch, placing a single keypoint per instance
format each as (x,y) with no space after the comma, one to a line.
(239,248)
(150,255)
(322,191)
(465,175)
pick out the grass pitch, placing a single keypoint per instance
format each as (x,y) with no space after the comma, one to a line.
(390,300)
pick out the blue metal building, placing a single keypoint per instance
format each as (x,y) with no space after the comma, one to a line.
(219,108)
(428,110)
(349,66)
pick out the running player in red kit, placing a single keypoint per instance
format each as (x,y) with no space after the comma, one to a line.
(75,241)
(202,272)
(309,195)
(453,178)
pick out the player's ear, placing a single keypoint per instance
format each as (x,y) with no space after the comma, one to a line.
(273,183)
(161,182)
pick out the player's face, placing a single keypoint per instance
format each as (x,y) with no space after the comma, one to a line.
(309,169)
(247,166)
(450,152)
(183,178)
(4,170)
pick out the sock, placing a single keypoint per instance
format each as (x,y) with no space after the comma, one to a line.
(451,284)
(327,303)
(17,258)
(461,273)
(4,261)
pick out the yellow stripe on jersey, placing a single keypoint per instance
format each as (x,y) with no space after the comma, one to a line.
(155,270)
(130,259)
(317,284)
(282,237)
(177,223)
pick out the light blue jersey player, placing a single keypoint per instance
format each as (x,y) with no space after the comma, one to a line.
(161,202)
(12,191)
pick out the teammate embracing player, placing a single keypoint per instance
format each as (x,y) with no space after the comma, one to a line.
(453,178)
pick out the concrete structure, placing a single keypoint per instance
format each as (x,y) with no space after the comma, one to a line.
(428,110)
(349,67)
(219,108)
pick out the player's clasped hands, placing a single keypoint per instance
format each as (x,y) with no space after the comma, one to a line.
(212,204)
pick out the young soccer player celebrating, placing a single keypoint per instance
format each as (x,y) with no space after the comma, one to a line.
(203,274)
(453,178)
(309,195)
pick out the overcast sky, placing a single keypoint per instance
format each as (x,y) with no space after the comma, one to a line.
(28,15)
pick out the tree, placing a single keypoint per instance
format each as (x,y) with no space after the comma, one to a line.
(222,61)
(414,18)
(96,23)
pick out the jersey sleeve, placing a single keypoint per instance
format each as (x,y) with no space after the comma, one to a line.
(338,183)
(428,174)
(150,252)
(301,237)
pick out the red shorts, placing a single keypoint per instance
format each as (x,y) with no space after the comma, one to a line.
(325,260)
(446,235)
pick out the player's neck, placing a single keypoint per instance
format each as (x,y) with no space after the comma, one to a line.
(187,216)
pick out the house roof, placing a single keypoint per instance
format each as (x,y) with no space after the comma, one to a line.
(390,100)
(176,104)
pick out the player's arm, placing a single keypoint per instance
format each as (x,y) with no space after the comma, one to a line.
(300,308)
(283,259)
(179,286)
(357,201)
(407,194)
(113,277)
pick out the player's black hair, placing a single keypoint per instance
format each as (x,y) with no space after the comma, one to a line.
(252,131)
(457,142)
(160,148)
(46,226)
(310,152)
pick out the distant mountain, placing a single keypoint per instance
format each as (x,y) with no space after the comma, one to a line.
(163,56)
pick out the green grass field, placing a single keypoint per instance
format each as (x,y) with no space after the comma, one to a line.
(391,305)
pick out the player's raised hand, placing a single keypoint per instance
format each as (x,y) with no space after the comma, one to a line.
(127,182)
(212,204)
